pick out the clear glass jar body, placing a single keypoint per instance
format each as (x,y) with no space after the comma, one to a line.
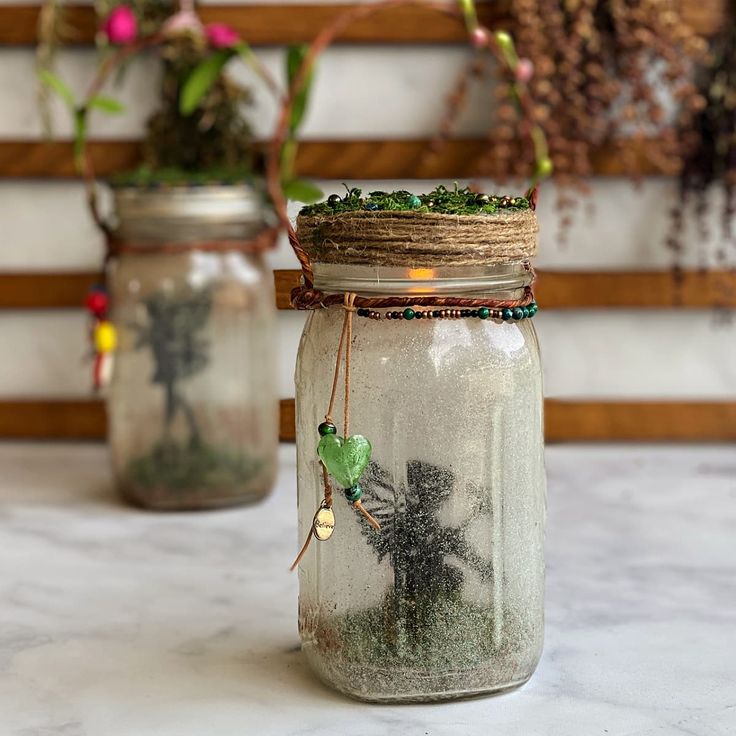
(192,406)
(445,601)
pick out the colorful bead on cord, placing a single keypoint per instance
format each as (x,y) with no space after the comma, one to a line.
(103,336)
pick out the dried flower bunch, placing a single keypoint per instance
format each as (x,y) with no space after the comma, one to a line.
(598,72)
(596,66)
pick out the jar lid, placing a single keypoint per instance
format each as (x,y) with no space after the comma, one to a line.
(188,214)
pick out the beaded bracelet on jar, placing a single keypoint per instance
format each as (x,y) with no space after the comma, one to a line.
(504,314)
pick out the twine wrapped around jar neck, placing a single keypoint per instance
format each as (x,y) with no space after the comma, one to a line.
(411,240)
(418,240)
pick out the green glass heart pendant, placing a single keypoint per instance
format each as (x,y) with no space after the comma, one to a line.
(345,459)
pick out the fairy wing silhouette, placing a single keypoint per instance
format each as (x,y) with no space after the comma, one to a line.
(171,333)
(411,532)
(385,504)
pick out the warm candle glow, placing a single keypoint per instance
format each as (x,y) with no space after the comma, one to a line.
(421,274)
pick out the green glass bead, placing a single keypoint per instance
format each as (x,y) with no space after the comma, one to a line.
(533,309)
(526,311)
(414,201)
(408,313)
(517,313)
(506,314)
(353,494)
(484,313)
(326,428)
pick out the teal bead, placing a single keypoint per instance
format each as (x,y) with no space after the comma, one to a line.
(517,313)
(527,313)
(414,201)
(326,428)
(484,312)
(506,314)
(353,494)
(533,309)
(408,313)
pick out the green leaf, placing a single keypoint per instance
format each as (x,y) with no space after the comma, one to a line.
(299,190)
(55,83)
(294,58)
(106,104)
(80,137)
(200,81)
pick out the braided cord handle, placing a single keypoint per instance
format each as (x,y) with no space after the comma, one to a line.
(322,41)
(83,160)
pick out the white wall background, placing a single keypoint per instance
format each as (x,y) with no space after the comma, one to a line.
(370,92)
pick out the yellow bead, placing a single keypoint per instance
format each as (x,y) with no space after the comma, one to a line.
(106,337)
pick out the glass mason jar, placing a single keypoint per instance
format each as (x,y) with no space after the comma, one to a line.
(446,600)
(192,406)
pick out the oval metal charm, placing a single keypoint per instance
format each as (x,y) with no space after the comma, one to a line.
(323,524)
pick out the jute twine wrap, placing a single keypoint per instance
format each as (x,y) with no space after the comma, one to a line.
(415,240)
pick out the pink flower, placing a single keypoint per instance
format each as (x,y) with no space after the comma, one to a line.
(185,21)
(221,36)
(524,70)
(121,26)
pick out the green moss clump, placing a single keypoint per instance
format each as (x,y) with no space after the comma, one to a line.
(454,634)
(441,201)
(188,466)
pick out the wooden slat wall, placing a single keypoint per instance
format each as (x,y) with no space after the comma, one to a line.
(601,289)
(367,159)
(565,421)
(318,159)
(285,24)
(554,290)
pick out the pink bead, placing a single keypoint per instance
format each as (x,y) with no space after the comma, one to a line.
(524,70)
(121,26)
(480,37)
(221,36)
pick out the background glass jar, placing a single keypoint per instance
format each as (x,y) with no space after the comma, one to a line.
(446,600)
(192,407)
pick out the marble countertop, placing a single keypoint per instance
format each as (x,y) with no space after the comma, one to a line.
(118,622)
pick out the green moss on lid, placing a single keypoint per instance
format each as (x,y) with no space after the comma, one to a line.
(441,200)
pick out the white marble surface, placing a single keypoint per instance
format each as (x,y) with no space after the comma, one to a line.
(117,622)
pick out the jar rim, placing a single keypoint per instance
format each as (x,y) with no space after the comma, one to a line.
(442,280)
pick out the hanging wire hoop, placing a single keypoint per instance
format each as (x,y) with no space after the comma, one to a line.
(306,297)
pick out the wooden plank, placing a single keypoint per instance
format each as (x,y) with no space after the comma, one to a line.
(640,421)
(565,420)
(319,159)
(69,419)
(285,24)
(636,289)
(54,160)
(604,289)
(555,289)
(45,290)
